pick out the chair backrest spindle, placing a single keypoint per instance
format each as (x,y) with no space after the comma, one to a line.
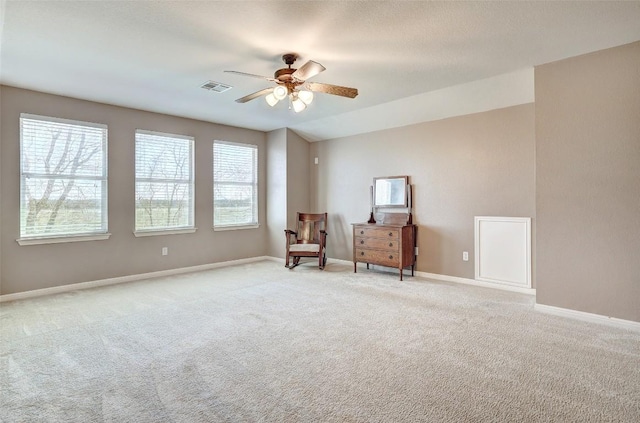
(309,227)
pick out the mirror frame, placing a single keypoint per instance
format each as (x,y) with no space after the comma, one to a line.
(405,182)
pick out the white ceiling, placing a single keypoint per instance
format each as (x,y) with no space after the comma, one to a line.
(407,59)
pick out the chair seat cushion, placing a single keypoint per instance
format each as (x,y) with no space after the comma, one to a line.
(306,248)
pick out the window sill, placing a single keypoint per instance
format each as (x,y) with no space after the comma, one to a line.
(234,228)
(139,234)
(61,239)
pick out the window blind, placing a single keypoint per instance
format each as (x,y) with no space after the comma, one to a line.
(164,181)
(63,177)
(235,184)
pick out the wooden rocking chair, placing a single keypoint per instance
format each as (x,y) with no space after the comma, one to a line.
(309,240)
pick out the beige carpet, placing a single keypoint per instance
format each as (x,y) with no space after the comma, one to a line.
(260,343)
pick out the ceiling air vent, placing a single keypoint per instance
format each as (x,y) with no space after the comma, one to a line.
(216,86)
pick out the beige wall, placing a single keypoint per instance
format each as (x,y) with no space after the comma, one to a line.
(41,266)
(298,170)
(288,185)
(588,182)
(475,165)
(277,192)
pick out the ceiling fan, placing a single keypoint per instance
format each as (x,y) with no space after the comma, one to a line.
(293,83)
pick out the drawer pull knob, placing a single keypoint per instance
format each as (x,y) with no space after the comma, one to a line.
(362,253)
(391,244)
(390,233)
(362,241)
(390,257)
(361,232)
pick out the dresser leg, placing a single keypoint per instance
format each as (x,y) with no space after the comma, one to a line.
(355,267)
(401,274)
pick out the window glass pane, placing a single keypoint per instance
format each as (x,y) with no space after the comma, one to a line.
(235,184)
(234,204)
(164,181)
(234,163)
(63,177)
(160,205)
(62,149)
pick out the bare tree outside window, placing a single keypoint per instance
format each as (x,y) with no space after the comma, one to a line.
(63,177)
(164,181)
(235,184)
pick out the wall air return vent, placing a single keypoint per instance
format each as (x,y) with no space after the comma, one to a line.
(216,86)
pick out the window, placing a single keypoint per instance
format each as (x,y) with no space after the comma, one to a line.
(164,182)
(235,185)
(63,178)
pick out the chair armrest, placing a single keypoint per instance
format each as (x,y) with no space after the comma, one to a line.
(288,233)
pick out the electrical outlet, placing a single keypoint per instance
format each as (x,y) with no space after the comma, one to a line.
(316,161)
(465,256)
(416,251)
(165,251)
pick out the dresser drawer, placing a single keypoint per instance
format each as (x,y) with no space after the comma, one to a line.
(390,244)
(386,233)
(383,258)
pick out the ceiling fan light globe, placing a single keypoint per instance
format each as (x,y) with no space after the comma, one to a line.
(280,92)
(298,105)
(306,97)
(271,100)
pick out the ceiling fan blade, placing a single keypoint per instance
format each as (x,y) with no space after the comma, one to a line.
(333,89)
(308,70)
(252,75)
(254,95)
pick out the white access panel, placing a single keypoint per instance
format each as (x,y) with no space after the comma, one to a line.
(503,250)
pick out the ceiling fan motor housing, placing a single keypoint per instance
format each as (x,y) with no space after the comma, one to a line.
(284,75)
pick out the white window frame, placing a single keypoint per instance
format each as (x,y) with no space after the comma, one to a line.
(167,230)
(254,184)
(59,237)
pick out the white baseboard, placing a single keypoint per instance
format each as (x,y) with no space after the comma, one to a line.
(271,258)
(445,278)
(123,279)
(339,261)
(456,279)
(564,312)
(588,317)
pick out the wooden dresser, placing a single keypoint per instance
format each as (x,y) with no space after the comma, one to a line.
(384,244)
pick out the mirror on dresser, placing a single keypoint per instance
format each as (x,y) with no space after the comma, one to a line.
(390,191)
(390,199)
(388,238)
